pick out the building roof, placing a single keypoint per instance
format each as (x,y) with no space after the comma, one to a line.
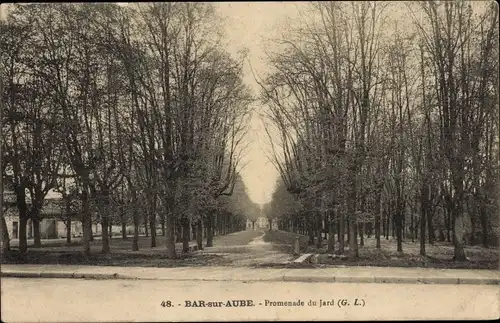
(9,195)
(53,204)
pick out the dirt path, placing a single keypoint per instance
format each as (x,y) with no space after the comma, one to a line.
(256,252)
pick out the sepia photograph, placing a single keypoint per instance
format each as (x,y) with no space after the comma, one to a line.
(249,161)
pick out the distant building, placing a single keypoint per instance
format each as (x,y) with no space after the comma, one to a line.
(262,223)
(274,225)
(52,224)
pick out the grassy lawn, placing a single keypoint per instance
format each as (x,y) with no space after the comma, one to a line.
(121,254)
(237,238)
(151,258)
(283,241)
(439,255)
(116,243)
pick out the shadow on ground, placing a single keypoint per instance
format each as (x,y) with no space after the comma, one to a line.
(439,255)
(239,249)
(113,259)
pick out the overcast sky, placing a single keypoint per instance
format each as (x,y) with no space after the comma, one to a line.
(249,24)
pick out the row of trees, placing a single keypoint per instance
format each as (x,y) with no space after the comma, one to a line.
(251,209)
(387,115)
(135,110)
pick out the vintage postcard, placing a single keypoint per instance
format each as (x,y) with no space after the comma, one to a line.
(249,161)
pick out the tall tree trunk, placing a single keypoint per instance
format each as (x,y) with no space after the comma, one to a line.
(210,229)
(472,239)
(393,225)
(423,216)
(136,218)
(391,217)
(23,247)
(447,224)
(152,226)
(378,214)
(178,231)
(399,218)
(215,225)
(399,232)
(91,231)
(170,235)
(5,236)
(452,228)
(388,219)
(185,234)
(135,239)
(105,222)
(124,230)
(403,225)
(30,229)
(331,234)
(417,223)
(361,226)
(68,228)
(383,218)
(348,230)
(105,233)
(23,219)
(36,230)
(199,234)
(412,227)
(319,241)
(86,223)
(430,228)
(351,210)
(458,251)
(152,219)
(34,215)
(162,221)
(484,225)
(458,219)
(338,231)
(310,230)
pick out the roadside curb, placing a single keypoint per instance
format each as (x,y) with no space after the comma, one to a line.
(283,278)
(63,275)
(394,280)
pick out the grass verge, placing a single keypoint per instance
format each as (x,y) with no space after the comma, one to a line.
(123,259)
(439,255)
